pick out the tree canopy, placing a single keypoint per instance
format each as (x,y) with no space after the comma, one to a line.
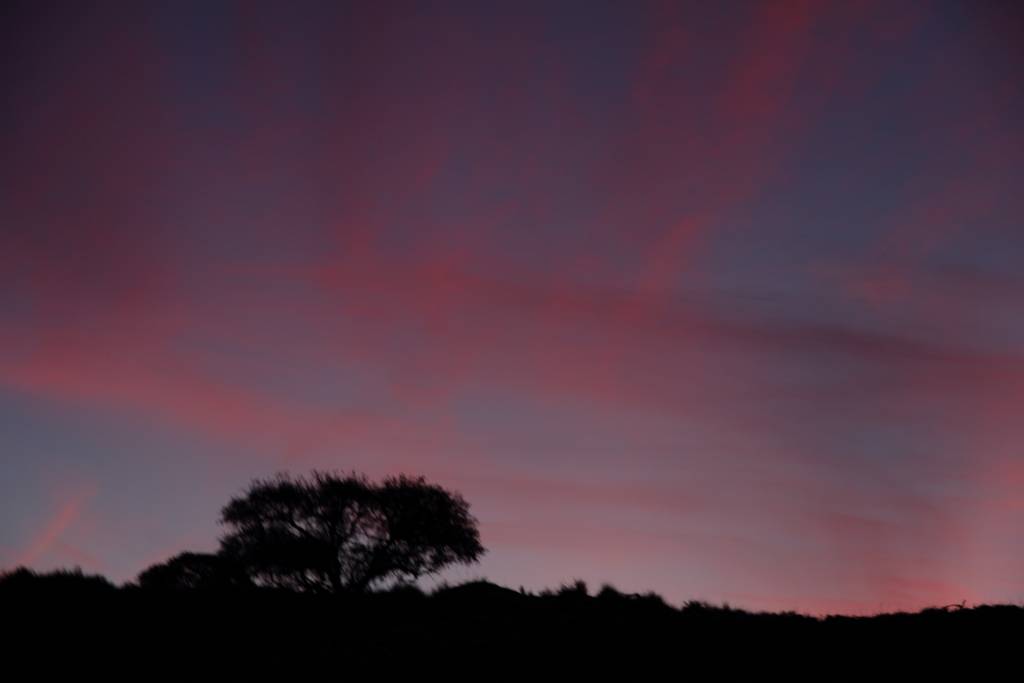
(334,532)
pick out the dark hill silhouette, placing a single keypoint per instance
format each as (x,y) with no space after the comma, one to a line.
(259,631)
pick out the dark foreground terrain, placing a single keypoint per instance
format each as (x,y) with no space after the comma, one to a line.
(69,622)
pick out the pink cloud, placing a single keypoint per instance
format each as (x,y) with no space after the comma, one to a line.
(51,536)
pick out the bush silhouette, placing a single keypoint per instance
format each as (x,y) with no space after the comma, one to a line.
(195,571)
(23,582)
(342,533)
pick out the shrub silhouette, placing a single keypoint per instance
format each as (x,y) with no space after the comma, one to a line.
(23,582)
(195,571)
(576,589)
(342,533)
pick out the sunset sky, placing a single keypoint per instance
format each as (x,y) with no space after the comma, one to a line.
(723,300)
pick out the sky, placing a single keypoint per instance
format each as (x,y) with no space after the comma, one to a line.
(720,300)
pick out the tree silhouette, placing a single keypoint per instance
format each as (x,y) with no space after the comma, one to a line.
(334,533)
